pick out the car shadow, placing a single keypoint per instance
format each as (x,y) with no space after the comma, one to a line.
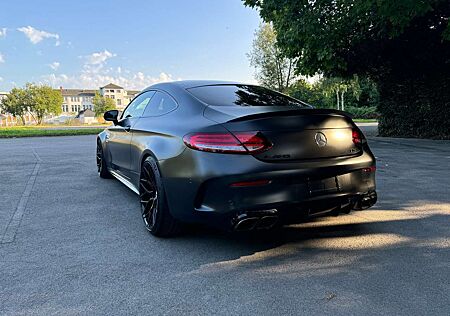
(359,238)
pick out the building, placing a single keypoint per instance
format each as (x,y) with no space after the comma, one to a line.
(121,96)
(86,117)
(76,100)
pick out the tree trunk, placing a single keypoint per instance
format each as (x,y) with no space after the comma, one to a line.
(288,78)
(34,118)
(342,100)
(337,98)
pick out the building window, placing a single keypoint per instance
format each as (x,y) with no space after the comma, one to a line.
(119,102)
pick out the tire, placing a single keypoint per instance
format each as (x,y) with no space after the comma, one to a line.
(154,208)
(101,165)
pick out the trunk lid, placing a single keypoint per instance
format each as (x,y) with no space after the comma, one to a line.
(300,134)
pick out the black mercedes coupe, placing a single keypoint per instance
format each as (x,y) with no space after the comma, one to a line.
(236,156)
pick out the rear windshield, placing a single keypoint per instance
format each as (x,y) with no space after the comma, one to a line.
(243,95)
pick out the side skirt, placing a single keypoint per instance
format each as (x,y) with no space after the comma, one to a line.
(125,181)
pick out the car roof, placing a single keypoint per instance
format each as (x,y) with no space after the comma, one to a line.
(186,84)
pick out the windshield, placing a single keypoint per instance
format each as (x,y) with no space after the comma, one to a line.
(243,95)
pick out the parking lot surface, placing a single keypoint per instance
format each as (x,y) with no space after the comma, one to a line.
(72,243)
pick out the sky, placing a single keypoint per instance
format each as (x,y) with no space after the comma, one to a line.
(87,44)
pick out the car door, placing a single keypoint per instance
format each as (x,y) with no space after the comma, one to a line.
(119,135)
(151,128)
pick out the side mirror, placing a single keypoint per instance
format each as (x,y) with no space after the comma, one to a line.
(111,116)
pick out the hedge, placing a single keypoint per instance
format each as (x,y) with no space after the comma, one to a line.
(415,108)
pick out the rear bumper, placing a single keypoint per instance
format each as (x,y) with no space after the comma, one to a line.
(198,186)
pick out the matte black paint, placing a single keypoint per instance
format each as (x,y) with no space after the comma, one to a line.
(197,182)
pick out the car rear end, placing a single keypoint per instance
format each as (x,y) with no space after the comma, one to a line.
(265,165)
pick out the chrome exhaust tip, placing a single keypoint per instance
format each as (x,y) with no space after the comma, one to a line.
(267,222)
(246,224)
(366,201)
(264,219)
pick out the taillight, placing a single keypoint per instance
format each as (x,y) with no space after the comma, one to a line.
(358,137)
(370,169)
(236,143)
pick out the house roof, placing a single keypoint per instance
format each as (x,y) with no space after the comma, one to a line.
(86,113)
(132,92)
(112,86)
(77,92)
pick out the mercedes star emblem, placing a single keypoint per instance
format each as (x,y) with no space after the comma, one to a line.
(321,139)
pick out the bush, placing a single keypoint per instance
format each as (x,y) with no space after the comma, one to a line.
(368,112)
(416,108)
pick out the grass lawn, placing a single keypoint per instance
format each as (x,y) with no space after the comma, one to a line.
(33,131)
(365,120)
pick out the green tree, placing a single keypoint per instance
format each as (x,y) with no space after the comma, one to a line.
(16,103)
(273,69)
(102,104)
(44,100)
(403,45)
(339,87)
(310,93)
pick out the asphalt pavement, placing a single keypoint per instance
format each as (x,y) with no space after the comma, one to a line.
(72,243)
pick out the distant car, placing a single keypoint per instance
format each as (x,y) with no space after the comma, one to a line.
(234,155)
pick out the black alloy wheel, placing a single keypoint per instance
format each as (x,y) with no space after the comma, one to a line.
(154,209)
(148,193)
(101,166)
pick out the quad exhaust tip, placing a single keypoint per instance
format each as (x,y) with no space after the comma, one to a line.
(264,219)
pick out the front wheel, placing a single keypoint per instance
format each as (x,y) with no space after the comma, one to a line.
(101,165)
(154,209)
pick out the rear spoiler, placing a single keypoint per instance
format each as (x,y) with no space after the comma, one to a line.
(306,111)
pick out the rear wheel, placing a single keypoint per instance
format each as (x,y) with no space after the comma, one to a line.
(154,209)
(101,165)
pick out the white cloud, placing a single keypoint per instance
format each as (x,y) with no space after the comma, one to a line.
(54,65)
(2,59)
(86,80)
(35,36)
(3,32)
(99,58)
(95,74)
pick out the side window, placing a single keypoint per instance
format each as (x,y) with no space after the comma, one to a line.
(160,104)
(137,106)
